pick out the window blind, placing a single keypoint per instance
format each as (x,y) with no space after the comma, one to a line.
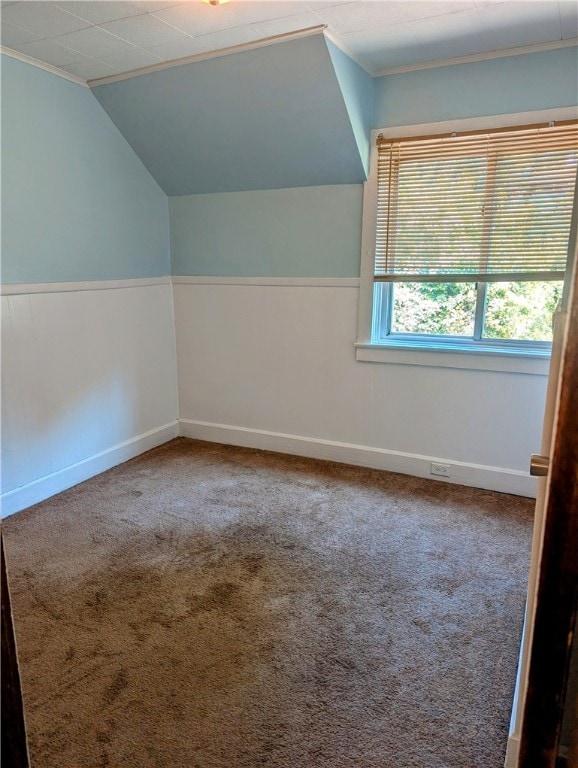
(476,206)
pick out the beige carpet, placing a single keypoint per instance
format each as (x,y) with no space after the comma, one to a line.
(204,606)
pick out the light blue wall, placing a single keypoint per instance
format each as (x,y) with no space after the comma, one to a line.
(266,118)
(316,231)
(496,87)
(77,203)
(357,88)
(303,232)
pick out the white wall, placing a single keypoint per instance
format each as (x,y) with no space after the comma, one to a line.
(88,369)
(270,363)
(88,381)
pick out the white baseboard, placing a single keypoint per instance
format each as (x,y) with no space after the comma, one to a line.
(39,490)
(475,475)
(478,476)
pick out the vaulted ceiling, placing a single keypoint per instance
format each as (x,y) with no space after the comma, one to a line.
(264,116)
(98,38)
(288,115)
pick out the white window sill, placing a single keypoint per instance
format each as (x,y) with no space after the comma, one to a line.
(513,360)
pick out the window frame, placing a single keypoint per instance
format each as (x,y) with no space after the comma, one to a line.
(426,349)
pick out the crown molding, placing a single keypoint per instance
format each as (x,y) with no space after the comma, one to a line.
(42,65)
(320,29)
(478,57)
(262,43)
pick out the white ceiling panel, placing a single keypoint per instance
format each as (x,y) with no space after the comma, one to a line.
(109,10)
(457,34)
(225,38)
(188,46)
(357,16)
(95,13)
(150,6)
(568,19)
(428,9)
(484,3)
(43,18)
(127,34)
(144,30)
(95,42)
(51,53)
(317,5)
(510,25)
(290,24)
(251,11)
(198,18)
(132,58)
(395,46)
(13,35)
(353,17)
(91,69)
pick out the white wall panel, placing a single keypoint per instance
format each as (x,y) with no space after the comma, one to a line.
(83,372)
(280,359)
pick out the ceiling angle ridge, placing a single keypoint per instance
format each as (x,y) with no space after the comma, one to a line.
(318,29)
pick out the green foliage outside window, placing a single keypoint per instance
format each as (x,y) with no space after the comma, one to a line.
(436,308)
(521,310)
(516,310)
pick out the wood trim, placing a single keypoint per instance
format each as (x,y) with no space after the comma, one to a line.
(445,356)
(480,124)
(285,282)
(557,597)
(381,141)
(274,39)
(367,261)
(43,65)
(14,749)
(19,289)
(520,51)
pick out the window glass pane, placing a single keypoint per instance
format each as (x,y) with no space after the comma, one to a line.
(446,309)
(521,311)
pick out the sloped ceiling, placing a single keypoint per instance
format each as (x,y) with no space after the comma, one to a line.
(358,91)
(266,118)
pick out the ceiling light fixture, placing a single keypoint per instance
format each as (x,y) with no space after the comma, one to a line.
(215,2)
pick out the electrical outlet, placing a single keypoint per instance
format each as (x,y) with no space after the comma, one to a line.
(445,470)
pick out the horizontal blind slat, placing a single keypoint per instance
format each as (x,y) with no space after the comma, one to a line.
(439,213)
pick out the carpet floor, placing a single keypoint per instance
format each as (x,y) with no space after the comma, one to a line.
(205,606)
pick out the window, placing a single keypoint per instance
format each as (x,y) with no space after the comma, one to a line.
(471,238)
